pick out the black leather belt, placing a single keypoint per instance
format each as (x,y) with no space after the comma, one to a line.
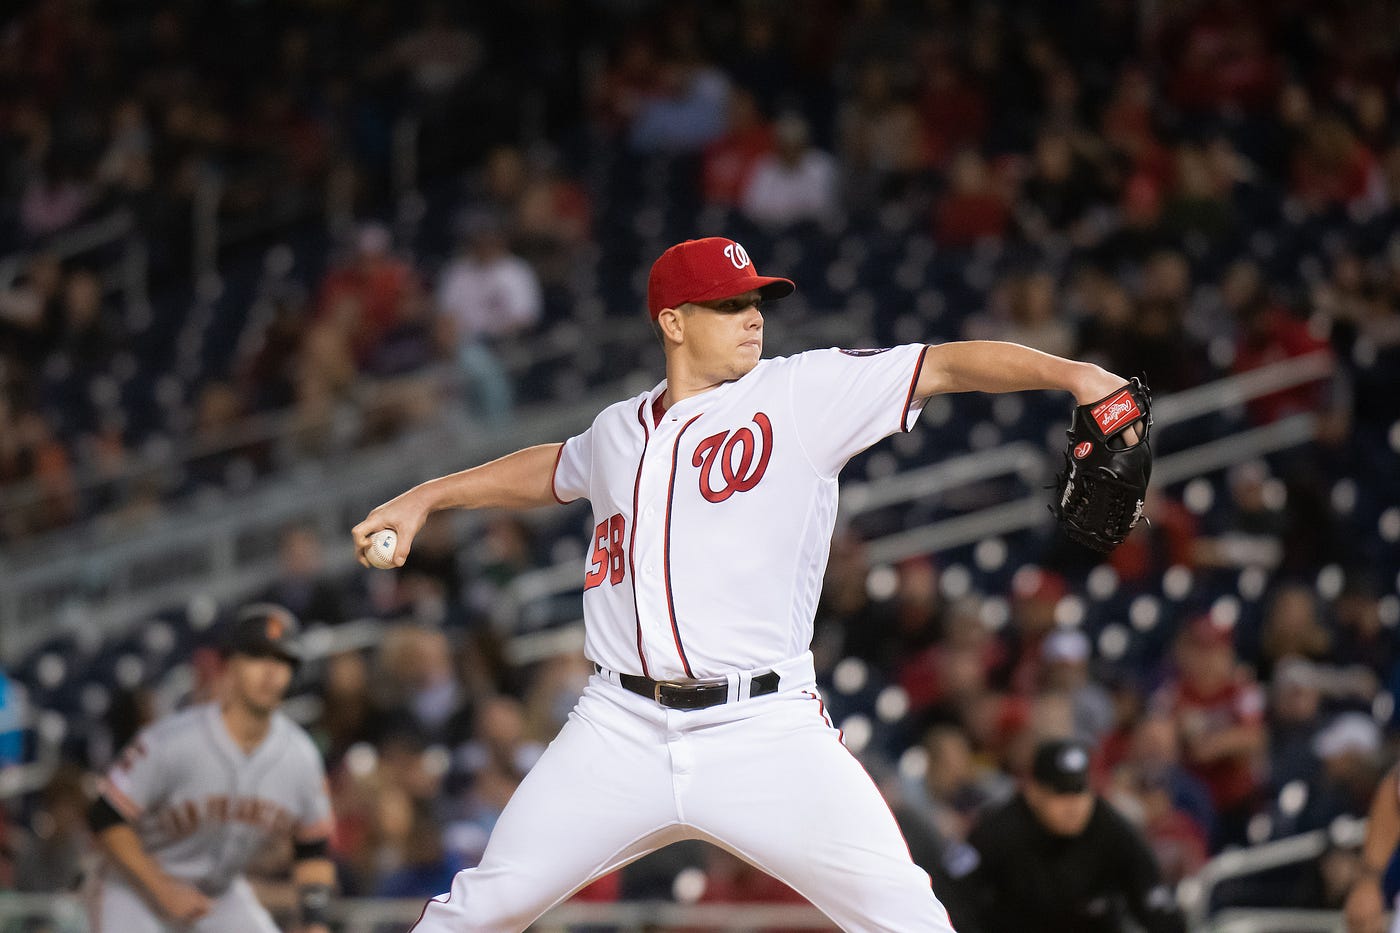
(675,694)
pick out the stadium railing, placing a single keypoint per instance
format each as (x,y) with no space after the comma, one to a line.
(1195,893)
(1275,921)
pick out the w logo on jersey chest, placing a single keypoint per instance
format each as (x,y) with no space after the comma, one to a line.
(735,453)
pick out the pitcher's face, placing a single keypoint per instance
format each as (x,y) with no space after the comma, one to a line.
(724,338)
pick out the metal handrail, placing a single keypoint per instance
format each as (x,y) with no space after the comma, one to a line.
(1242,387)
(1254,920)
(1194,893)
(858,498)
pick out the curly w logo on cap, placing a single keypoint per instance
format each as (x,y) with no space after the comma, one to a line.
(707,270)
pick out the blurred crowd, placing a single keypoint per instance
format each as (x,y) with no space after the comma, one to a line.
(1186,190)
(1198,191)
(130,135)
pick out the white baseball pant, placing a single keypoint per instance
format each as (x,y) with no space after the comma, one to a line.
(766,778)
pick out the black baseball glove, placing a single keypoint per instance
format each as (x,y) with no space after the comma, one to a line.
(1099,495)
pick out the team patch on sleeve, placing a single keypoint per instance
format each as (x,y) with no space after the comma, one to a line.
(874,352)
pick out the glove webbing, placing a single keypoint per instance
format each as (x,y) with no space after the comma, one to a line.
(1103,503)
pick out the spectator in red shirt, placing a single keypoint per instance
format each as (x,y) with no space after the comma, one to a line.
(729,160)
(1222,58)
(1266,333)
(1219,714)
(375,282)
(1034,595)
(1127,125)
(973,208)
(946,672)
(954,110)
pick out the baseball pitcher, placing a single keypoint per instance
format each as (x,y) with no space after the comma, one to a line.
(714,498)
(196,795)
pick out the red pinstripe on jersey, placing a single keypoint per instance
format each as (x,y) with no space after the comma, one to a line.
(666,545)
(632,540)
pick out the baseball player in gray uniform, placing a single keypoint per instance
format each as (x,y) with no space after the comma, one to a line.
(196,795)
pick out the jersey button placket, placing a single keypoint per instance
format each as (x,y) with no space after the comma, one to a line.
(648,553)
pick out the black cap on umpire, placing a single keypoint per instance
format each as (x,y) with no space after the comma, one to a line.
(1061,766)
(265,630)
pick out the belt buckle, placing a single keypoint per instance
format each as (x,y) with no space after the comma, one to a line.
(656,691)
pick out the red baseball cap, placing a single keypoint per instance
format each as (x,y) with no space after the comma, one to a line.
(707,270)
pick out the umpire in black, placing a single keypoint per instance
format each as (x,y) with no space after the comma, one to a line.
(1057,858)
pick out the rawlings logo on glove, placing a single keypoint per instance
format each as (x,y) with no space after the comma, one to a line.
(1100,493)
(1116,411)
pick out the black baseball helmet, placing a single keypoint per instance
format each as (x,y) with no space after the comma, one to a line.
(265,630)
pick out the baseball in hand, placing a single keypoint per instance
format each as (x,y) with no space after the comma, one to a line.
(381,549)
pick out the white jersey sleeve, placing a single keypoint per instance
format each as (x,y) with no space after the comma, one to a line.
(844,401)
(573,470)
(139,779)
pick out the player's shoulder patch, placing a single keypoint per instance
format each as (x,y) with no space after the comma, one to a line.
(866,352)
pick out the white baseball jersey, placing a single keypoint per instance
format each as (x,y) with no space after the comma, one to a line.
(714,523)
(203,808)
